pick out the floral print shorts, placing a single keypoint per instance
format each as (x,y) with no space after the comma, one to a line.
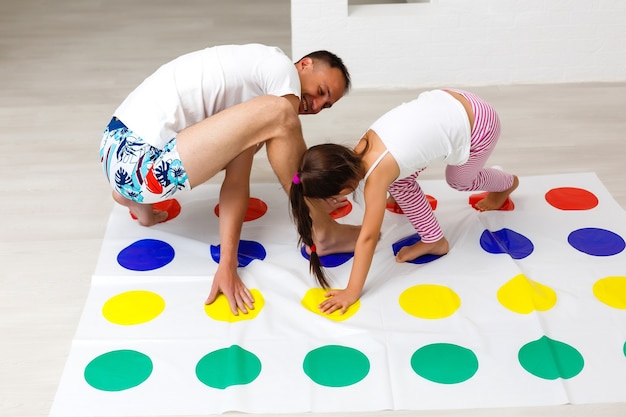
(138,170)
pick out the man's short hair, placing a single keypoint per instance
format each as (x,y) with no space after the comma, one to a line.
(333,61)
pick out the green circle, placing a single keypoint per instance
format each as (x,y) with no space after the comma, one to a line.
(336,366)
(444,363)
(550,359)
(118,370)
(229,366)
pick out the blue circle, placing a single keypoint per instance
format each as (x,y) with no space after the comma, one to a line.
(330,261)
(596,242)
(146,255)
(411,240)
(506,241)
(247,252)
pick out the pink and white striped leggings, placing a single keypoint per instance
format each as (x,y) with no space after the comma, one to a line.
(471,176)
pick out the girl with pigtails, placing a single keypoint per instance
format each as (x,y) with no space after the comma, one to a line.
(315,167)
(449,126)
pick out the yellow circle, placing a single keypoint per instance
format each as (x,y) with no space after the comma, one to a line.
(611,291)
(429,301)
(522,295)
(315,296)
(220,309)
(133,307)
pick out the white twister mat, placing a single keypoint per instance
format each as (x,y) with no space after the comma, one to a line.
(527,309)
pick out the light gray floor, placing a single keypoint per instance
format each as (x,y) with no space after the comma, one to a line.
(64,67)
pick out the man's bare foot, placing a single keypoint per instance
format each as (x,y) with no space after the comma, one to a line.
(340,239)
(145,214)
(496,199)
(408,253)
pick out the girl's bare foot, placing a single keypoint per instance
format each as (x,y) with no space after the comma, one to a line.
(496,199)
(408,253)
(145,214)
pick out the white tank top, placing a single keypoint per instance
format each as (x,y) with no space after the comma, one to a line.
(375,164)
(432,128)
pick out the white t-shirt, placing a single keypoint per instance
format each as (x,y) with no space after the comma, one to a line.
(199,84)
(432,128)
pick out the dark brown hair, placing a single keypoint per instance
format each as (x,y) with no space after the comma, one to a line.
(324,171)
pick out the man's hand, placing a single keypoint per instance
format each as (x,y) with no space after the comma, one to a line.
(339,299)
(226,281)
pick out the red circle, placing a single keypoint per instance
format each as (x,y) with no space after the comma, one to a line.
(256,209)
(394,208)
(570,198)
(342,212)
(172,207)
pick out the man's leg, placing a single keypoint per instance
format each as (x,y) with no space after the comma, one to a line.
(208,146)
(145,213)
(228,141)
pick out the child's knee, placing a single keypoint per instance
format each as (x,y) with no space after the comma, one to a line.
(459,186)
(400,188)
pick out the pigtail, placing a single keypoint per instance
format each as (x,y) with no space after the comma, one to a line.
(302,218)
(315,267)
(325,170)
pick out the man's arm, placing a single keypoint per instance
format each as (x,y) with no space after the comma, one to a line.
(234,197)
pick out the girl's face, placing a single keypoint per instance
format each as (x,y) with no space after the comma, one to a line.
(321,86)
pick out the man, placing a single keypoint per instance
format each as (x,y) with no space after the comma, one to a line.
(208,111)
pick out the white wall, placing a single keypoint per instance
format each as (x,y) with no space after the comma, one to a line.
(467,42)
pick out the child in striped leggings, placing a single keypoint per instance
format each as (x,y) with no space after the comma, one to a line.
(449,126)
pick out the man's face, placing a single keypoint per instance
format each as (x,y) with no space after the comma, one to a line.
(321,85)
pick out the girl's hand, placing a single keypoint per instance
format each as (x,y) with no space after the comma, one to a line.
(339,299)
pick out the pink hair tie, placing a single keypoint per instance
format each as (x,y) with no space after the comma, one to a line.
(296,179)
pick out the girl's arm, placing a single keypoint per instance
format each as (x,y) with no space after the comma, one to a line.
(375,196)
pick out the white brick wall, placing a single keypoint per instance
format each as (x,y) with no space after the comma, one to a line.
(467,42)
